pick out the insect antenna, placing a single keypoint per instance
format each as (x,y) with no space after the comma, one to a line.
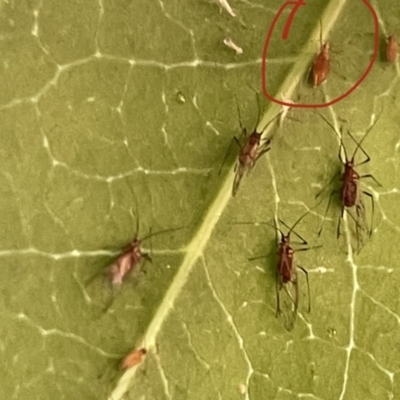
(152,234)
(340,136)
(320,33)
(259,112)
(259,223)
(365,135)
(272,120)
(235,139)
(136,211)
(296,223)
(291,229)
(240,117)
(259,107)
(137,217)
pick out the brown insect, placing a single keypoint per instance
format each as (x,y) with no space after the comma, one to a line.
(321,64)
(130,258)
(391,49)
(133,358)
(350,191)
(251,148)
(125,263)
(286,272)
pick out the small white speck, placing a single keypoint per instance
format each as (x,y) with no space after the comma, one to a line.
(228,8)
(229,42)
(242,388)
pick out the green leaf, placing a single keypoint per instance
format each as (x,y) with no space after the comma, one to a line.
(114,112)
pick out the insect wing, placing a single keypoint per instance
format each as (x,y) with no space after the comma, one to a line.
(288,293)
(349,193)
(239,172)
(289,303)
(100,291)
(119,270)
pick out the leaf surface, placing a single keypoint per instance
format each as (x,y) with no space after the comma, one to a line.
(114,111)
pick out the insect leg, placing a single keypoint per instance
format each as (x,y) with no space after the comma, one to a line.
(328,184)
(147,257)
(278,287)
(263,149)
(234,139)
(326,211)
(308,287)
(307,248)
(303,241)
(372,210)
(240,170)
(296,299)
(339,222)
(258,257)
(372,177)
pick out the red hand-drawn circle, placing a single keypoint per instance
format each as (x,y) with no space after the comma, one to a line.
(296,5)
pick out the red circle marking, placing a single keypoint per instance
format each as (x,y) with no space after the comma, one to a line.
(296,5)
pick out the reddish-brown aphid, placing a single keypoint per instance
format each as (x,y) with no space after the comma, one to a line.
(286,271)
(127,261)
(350,191)
(252,147)
(391,49)
(320,68)
(125,264)
(130,258)
(133,358)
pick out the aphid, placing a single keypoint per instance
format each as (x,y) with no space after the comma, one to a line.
(130,258)
(286,271)
(252,148)
(125,264)
(320,68)
(391,48)
(229,42)
(350,191)
(133,358)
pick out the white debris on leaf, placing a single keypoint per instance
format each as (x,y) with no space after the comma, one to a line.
(228,8)
(229,42)
(242,388)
